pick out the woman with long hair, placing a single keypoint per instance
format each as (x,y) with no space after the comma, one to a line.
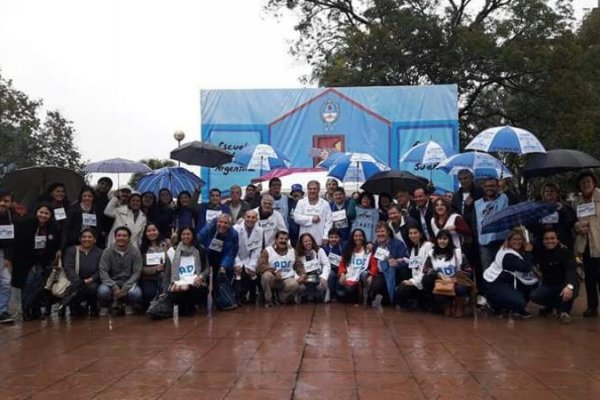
(411,287)
(509,278)
(317,267)
(154,253)
(443,263)
(444,218)
(352,271)
(81,215)
(186,273)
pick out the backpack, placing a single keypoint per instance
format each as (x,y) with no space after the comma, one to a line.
(160,307)
(225,297)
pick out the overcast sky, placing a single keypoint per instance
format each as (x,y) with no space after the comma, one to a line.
(129,72)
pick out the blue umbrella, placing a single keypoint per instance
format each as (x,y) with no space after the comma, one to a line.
(176,179)
(526,213)
(506,139)
(117,166)
(427,153)
(356,167)
(261,157)
(480,164)
(329,161)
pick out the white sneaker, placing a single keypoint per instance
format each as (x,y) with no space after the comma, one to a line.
(103,312)
(481,301)
(327,296)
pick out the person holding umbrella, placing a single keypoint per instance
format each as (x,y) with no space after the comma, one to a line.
(463,200)
(422,212)
(399,222)
(100,202)
(587,242)
(186,213)
(562,220)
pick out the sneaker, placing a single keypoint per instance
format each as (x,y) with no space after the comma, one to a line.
(103,312)
(565,318)
(481,301)
(6,318)
(590,313)
(521,314)
(376,303)
(327,296)
(129,310)
(268,305)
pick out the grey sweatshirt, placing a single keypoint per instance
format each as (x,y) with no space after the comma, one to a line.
(123,270)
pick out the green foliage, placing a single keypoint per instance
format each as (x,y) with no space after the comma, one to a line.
(518,62)
(152,163)
(26,140)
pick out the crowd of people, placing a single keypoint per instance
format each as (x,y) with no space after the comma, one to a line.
(121,250)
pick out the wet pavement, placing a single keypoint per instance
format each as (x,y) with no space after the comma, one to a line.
(301,352)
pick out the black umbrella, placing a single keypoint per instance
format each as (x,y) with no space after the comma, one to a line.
(28,184)
(392,182)
(201,153)
(556,161)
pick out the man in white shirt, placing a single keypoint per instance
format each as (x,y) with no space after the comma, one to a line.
(250,239)
(269,220)
(313,214)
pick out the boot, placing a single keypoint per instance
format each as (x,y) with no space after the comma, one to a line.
(459,307)
(448,308)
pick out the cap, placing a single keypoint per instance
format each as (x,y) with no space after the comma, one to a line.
(296,187)
(125,187)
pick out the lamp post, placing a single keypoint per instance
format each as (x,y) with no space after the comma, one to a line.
(179,136)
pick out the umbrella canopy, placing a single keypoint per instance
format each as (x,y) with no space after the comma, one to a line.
(329,161)
(28,184)
(392,182)
(262,157)
(557,161)
(506,139)
(201,153)
(301,176)
(427,153)
(356,167)
(480,164)
(117,166)
(526,213)
(176,179)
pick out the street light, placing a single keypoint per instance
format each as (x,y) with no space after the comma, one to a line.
(179,136)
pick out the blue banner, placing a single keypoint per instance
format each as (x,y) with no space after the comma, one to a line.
(307,124)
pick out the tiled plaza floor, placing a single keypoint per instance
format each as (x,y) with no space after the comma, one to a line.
(301,352)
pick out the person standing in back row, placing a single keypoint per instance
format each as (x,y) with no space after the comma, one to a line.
(313,214)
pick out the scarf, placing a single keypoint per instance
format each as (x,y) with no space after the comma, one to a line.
(183,250)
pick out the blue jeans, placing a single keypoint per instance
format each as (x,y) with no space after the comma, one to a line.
(105,296)
(4,284)
(504,296)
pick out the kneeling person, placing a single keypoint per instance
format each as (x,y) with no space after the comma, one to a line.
(186,273)
(120,269)
(277,265)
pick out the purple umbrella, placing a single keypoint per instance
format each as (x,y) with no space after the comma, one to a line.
(117,166)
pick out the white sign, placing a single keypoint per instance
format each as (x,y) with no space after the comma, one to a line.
(312,265)
(60,214)
(88,219)
(216,245)
(382,254)
(155,258)
(40,242)
(212,214)
(586,210)
(335,259)
(7,231)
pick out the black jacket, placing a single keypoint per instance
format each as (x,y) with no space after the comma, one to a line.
(467,212)
(416,215)
(558,266)
(25,254)
(7,245)
(74,223)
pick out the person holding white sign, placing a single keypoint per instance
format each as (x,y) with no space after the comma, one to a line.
(277,268)
(387,256)
(342,214)
(562,220)
(81,215)
(353,268)
(56,197)
(250,239)
(154,257)
(186,273)
(7,236)
(313,214)
(317,268)
(412,288)
(334,250)
(587,242)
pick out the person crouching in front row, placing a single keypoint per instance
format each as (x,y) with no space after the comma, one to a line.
(186,273)
(317,268)
(277,265)
(120,269)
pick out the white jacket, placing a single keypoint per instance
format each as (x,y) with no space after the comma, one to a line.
(304,213)
(124,217)
(271,226)
(245,257)
(416,263)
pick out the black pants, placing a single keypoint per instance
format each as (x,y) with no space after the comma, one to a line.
(87,294)
(189,299)
(549,297)
(592,279)
(379,286)
(404,295)
(245,287)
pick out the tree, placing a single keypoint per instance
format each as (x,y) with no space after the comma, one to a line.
(501,53)
(54,143)
(26,141)
(152,163)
